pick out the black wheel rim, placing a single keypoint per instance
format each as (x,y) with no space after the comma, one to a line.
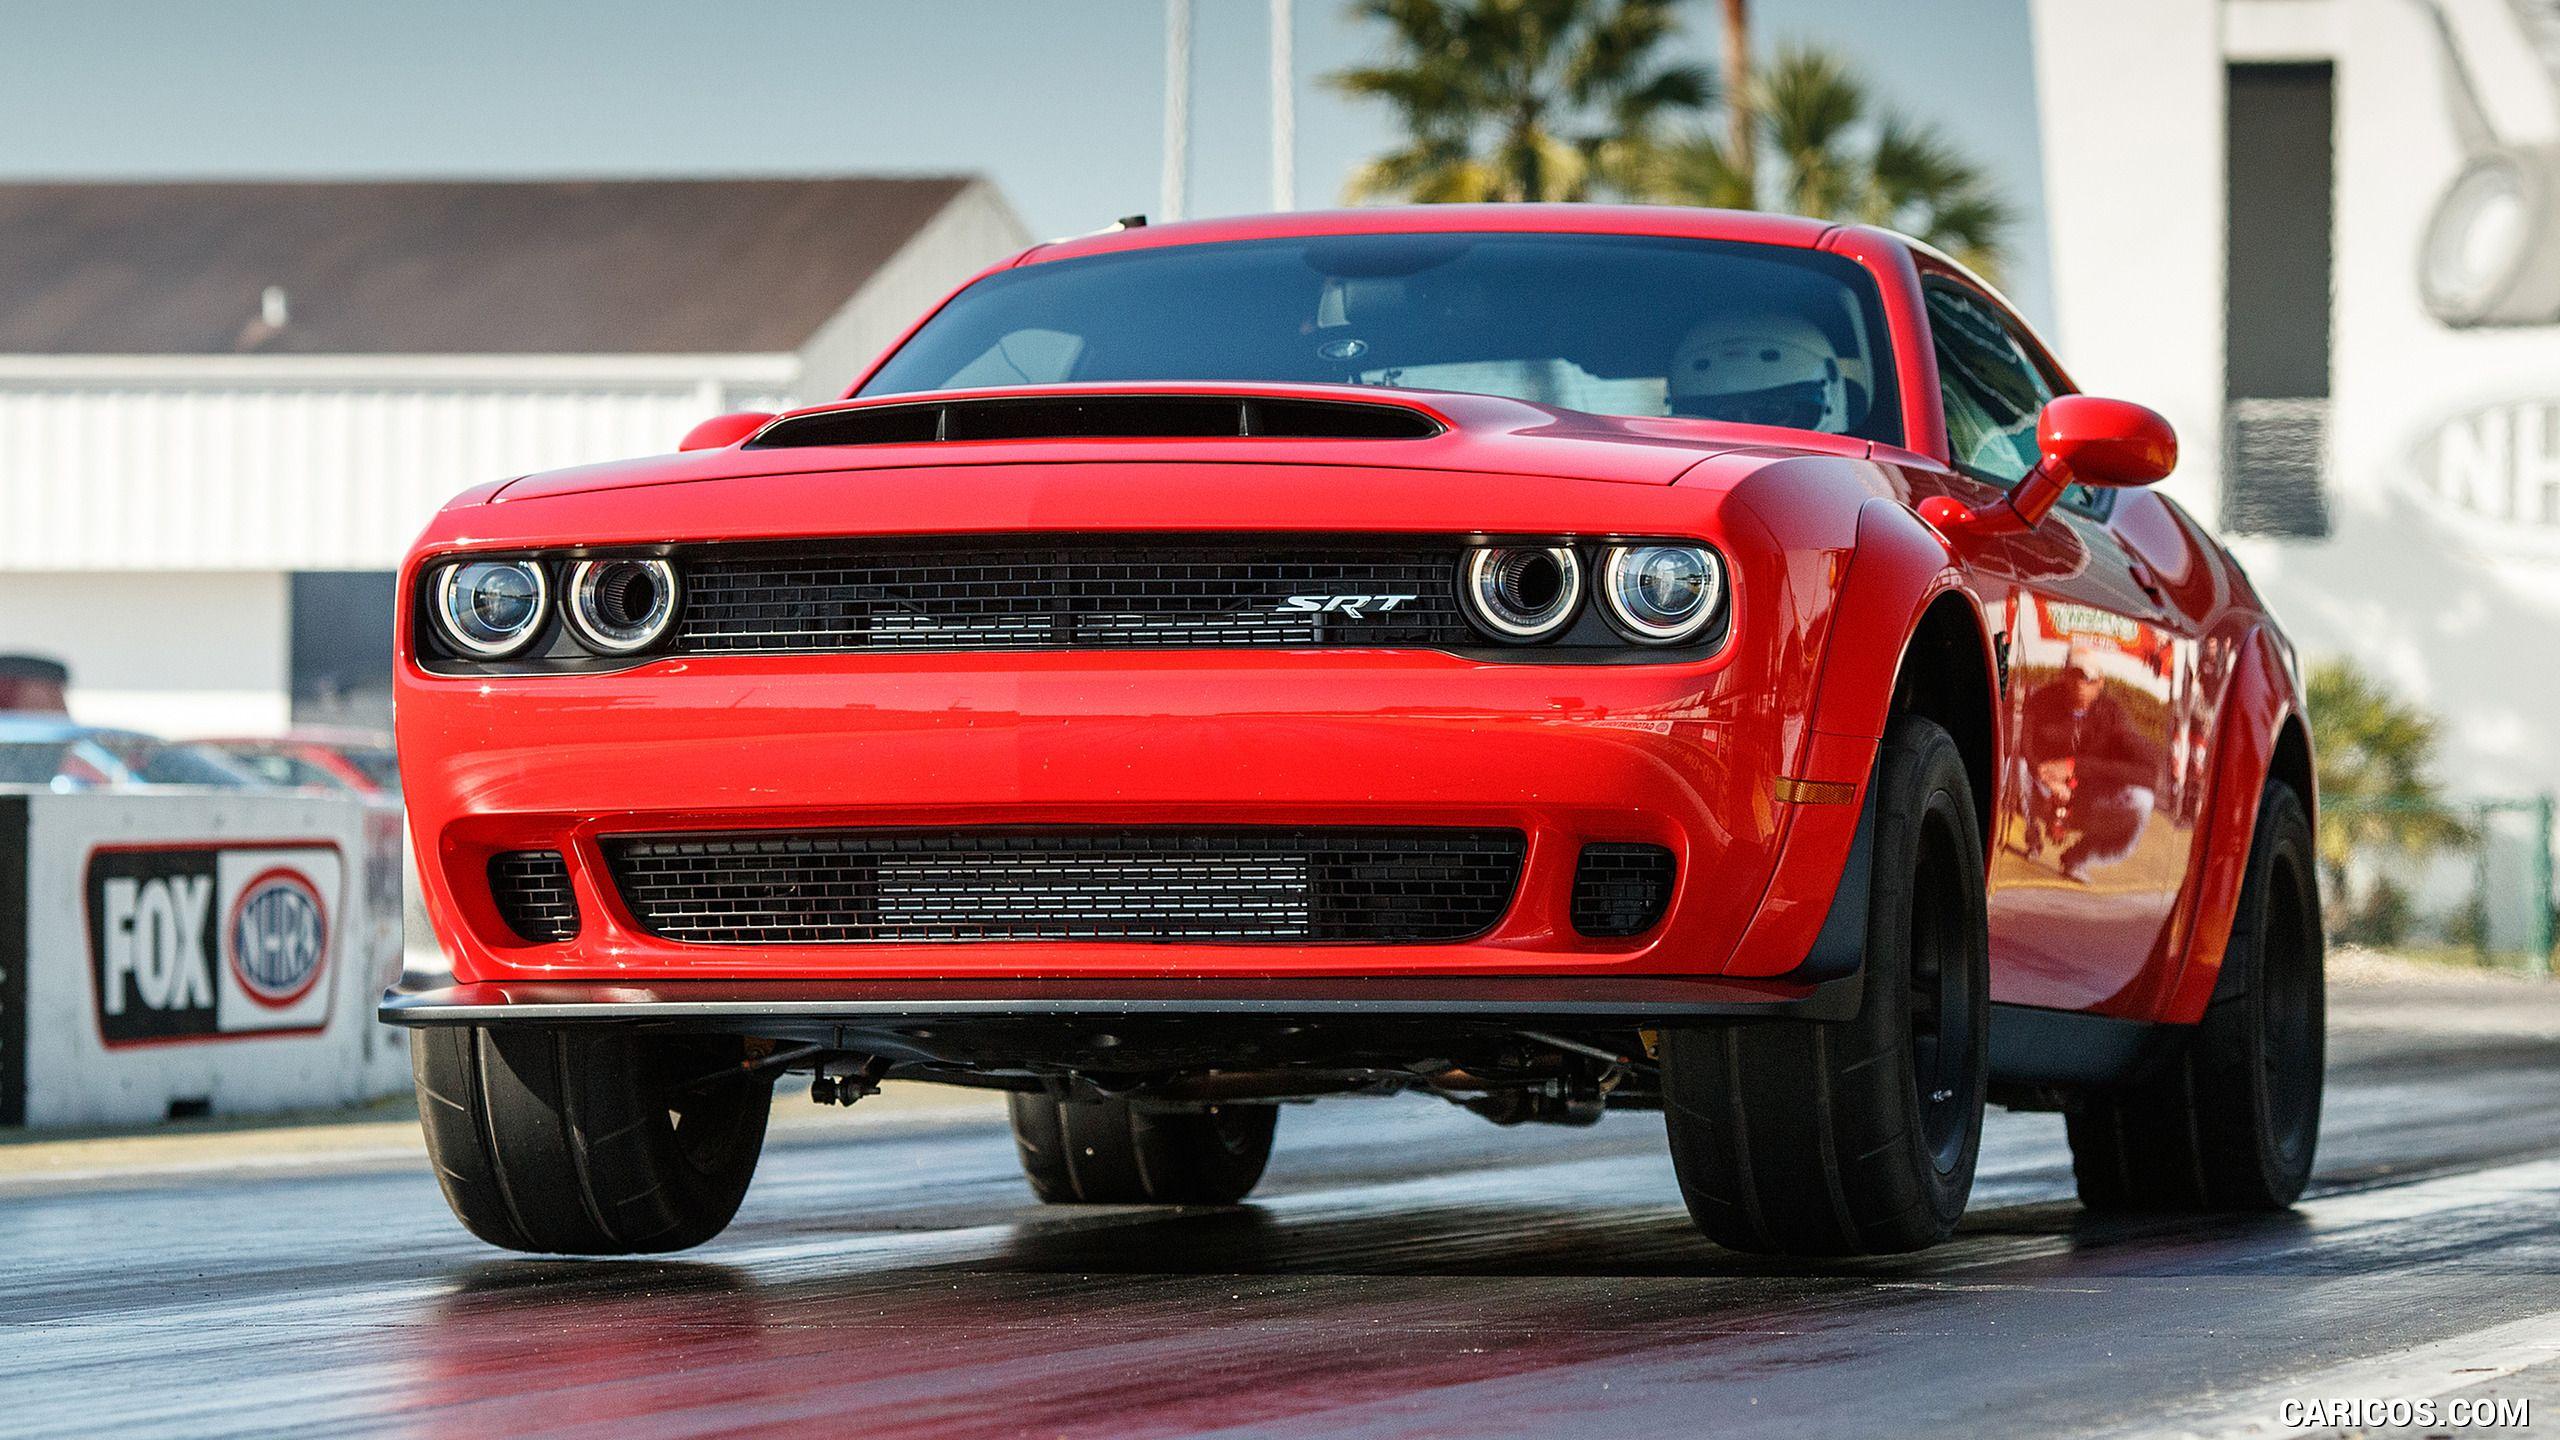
(1941,1001)
(2289,1009)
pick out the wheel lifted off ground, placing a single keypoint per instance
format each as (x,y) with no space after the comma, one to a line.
(588,1141)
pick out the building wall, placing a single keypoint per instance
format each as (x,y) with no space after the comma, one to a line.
(973,231)
(312,462)
(172,652)
(152,507)
(2442,569)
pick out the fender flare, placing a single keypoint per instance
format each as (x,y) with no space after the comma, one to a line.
(1810,923)
(2259,701)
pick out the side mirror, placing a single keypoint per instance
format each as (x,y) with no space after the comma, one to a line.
(721,431)
(2085,440)
(2089,441)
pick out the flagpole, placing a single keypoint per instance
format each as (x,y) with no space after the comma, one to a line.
(1174,197)
(1284,108)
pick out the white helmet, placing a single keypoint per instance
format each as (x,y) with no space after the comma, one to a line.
(1763,368)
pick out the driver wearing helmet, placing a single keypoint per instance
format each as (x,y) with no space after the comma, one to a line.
(1760,368)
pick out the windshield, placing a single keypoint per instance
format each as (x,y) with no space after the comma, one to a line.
(1615,325)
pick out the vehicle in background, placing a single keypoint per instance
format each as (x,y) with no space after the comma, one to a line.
(62,754)
(358,762)
(34,683)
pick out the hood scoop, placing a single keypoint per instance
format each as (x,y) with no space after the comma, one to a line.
(1097,417)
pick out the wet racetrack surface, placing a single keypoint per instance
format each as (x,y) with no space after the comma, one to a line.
(1405,1270)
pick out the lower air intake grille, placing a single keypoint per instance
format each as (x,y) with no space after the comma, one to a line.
(1276,885)
(531,888)
(1620,890)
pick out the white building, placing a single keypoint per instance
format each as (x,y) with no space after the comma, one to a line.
(2323,236)
(225,409)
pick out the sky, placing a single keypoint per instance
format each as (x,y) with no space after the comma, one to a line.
(1059,101)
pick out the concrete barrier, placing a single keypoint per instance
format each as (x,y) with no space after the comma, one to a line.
(167,953)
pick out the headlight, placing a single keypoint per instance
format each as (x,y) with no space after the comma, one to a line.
(620,606)
(1522,593)
(1662,594)
(491,608)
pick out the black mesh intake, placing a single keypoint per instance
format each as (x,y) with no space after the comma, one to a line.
(952,595)
(531,888)
(1620,890)
(1240,885)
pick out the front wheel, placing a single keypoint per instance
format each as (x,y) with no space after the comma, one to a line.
(2233,1124)
(589,1141)
(1115,1152)
(1860,1136)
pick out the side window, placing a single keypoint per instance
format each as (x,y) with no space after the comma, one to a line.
(1991,390)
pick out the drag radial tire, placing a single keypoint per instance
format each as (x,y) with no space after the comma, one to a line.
(588,1140)
(2230,1124)
(1858,1136)
(1111,1152)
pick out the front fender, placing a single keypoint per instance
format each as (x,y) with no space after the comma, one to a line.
(2259,701)
(1897,569)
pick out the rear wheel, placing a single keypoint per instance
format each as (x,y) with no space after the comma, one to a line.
(1114,1152)
(2233,1124)
(585,1141)
(1859,1136)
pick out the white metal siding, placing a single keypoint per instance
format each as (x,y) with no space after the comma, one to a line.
(314,463)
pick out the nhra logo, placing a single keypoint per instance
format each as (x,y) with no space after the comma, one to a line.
(277,937)
(157,915)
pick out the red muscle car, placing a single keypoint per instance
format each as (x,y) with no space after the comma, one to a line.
(1551,659)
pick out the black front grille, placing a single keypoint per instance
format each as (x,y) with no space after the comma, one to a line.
(1244,885)
(531,888)
(1620,890)
(947,595)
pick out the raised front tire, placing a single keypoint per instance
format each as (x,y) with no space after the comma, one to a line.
(1857,1137)
(2233,1123)
(583,1141)
(1113,1152)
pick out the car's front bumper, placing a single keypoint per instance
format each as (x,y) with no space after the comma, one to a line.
(1687,756)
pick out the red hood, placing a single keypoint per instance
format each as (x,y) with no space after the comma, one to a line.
(1481,434)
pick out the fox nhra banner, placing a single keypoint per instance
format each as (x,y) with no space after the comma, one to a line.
(173,953)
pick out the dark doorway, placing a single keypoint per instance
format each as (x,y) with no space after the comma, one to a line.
(2281,180)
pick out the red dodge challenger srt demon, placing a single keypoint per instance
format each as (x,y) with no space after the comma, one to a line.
(1552,659)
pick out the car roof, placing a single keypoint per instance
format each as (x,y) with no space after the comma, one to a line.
(1752,226)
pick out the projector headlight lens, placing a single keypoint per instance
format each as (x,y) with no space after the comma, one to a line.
(621,606)
(1662,594)
(1522,593)
(491,608)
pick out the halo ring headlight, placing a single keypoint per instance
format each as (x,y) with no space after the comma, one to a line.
(490,609)
(1523,593)
(1662,594)
(621,606)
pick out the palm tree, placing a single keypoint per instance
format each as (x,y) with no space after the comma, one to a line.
(2376,793)
(1823,147)
(1519,99)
